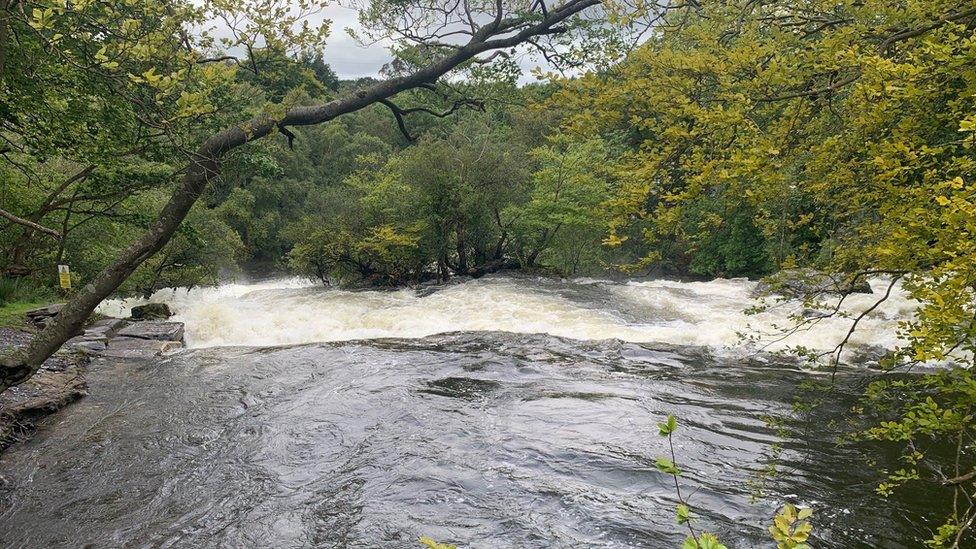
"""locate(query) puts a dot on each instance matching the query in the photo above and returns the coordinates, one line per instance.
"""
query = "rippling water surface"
(496, 438)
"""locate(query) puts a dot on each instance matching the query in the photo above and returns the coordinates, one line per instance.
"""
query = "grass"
(12, 315)
(19, 295)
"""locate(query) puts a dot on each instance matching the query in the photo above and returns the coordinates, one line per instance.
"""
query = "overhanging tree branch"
(883, 50)
(29, 224)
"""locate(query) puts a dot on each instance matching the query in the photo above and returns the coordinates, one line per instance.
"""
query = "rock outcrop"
(59, 382)
(44, 315)
(802, 283)
(151, 311)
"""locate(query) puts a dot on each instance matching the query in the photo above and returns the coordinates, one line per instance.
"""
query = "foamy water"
(291, 311)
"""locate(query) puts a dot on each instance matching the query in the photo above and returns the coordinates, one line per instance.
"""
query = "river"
(503, 412)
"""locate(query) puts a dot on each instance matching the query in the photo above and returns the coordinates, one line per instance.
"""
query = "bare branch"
(29, 224)
(398, 114)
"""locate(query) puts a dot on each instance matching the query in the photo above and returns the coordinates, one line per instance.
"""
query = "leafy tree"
(846, 132)
(160, 66)
(563, 215)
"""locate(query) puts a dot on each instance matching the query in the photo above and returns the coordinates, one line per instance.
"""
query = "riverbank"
(61, 379)
(59, 382)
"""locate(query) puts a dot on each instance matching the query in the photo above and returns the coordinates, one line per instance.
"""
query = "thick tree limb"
(29, 224)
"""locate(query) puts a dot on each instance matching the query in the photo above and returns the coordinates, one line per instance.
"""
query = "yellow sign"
(64, 277)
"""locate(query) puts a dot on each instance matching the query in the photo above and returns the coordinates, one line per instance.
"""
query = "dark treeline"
(491, 186)
(494, 185)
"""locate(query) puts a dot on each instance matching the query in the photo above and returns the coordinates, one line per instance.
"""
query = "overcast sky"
(350, 60)
(347, 58)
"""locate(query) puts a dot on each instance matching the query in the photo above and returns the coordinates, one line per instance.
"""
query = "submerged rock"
(801, 283)
(132, 347)
(151, 311)
(811, 314)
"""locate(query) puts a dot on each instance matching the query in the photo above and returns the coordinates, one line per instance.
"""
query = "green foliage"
(695, 539)
(562, 221)
(23, 290)
(790, 528)
(19, 295)
(668, 426)
(833, 136)
(101, 104)
(484, 193)
(703, 541)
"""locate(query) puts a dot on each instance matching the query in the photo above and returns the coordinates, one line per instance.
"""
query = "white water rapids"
(711, 314)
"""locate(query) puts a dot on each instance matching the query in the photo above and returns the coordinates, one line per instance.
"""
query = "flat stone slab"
(87, 345)
(106, 327)
(135, 347)
(162, 331)
(139, 344)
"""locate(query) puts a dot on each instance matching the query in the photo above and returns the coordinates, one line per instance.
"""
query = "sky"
(347, 58)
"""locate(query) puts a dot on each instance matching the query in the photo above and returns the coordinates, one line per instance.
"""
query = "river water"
(498, 413)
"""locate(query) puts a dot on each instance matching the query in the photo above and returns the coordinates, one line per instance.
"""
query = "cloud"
(347, 58)
(350, 60)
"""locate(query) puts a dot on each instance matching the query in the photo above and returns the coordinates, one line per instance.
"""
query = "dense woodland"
(731, 139)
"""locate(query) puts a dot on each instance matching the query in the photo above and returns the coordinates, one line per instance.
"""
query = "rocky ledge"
(119, 338)
(808, 283)
(61, 380)
(140, 336)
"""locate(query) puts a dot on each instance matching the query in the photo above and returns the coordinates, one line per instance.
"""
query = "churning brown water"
(478, 438)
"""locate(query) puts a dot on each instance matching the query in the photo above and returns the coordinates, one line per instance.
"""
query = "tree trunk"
(462, 252)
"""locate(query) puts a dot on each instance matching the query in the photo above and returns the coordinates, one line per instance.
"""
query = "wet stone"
(106, 327)
(163, 331)
(151, 311)
(89, 345)
(150, 346)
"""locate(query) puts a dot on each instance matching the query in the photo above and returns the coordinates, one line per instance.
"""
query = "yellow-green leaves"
(665, 465)
(682, 514)
(42, 18)
(790, 528)
(669, 426)
(703, 541)
(431, 544)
